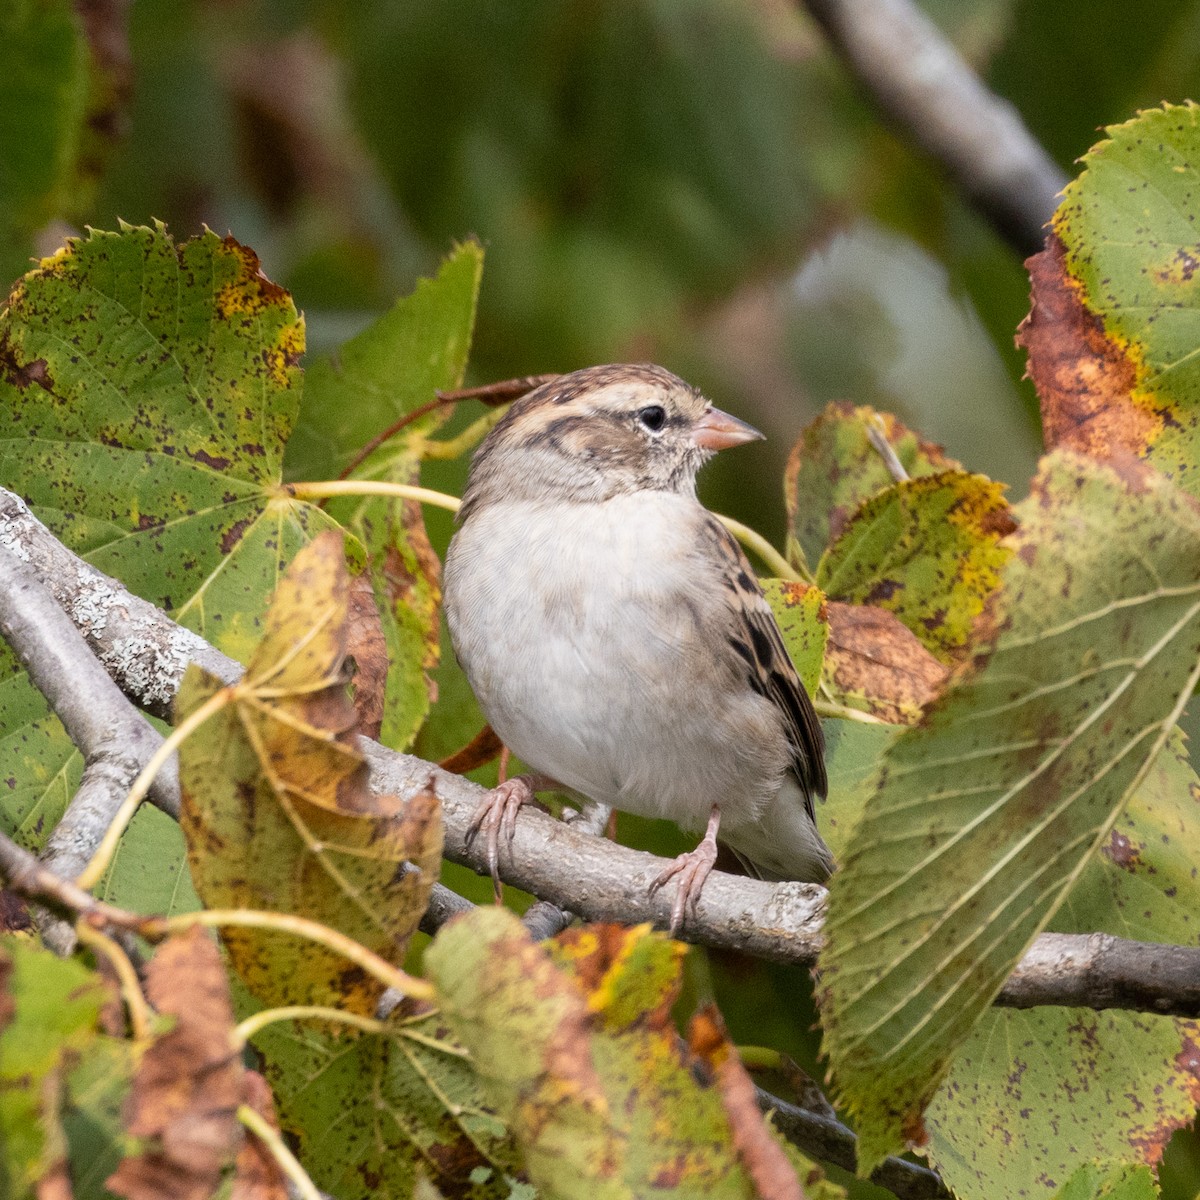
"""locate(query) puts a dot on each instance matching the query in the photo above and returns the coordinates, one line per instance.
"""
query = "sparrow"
(617, 638)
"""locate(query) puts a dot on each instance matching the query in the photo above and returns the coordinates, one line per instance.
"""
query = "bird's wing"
(756, 638)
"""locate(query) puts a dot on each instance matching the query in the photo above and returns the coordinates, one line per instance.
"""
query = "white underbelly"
(587, 656)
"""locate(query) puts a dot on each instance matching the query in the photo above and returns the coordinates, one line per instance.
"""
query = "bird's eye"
(653, 417)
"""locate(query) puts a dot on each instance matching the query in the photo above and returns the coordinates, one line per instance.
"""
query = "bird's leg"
(693, 869)
(497, 814)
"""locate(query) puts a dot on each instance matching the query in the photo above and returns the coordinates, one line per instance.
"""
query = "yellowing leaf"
(576, 1048)
(927, 549)
(1115, 319)
(986, 814)
(804, 622)
(834, 469)
(278, 813)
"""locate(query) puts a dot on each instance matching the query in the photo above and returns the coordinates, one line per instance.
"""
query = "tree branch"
(824, 1137)
(924, 86)
(114, 738)
(590, 876)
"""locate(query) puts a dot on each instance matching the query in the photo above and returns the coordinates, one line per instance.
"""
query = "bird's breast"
(582, 631)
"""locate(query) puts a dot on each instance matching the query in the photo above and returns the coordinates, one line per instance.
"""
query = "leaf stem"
(94, 871)
(827, 708)
(140, 1018)
(370, 487)
(243, 1032)
(271, 1139)
(156, 928)
(460, 443)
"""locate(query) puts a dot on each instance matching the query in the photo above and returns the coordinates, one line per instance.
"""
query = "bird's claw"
(693, 869)
(497, 815)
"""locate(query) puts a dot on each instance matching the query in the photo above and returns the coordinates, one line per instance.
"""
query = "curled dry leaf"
(878, 665)
(190, 1080)
(760, 1153)
(1111, 335)
(277, 809)
(366, 644)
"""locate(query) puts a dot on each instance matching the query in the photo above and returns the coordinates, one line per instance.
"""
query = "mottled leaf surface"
(576, 1049)
(876, 665)
(371, 1114)
(834, 468)
(146, 392)
(804, 622)
(928, 550)
(389, 370)
(1115, 320)
(1015, 1079)
(989, 812)
(277, 808)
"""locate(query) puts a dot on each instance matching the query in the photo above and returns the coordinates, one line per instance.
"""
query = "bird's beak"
(717, 430)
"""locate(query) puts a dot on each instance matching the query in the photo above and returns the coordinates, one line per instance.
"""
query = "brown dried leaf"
(761, 1155)
(8, 1004)
(367, 646)
(190, 1080)
(878, 665)
(1086, 381)
(278, 811)
(56, 1183)
(14, 913)
(480, 750)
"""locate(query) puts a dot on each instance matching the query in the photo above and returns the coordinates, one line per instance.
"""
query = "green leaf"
(97, 1091)
(371, 1114)
(1006, 1083)
(149, 872)
(988, 813)
(800, 611)
(146, 392)
(927, 549)
(833, 469)
(1093, 1182)
(853, 753)
(391, 369)
(52, 1008)
(1116, 300)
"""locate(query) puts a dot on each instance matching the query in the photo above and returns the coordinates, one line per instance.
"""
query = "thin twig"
(826, 1138)
(878, 439)
(23, 874)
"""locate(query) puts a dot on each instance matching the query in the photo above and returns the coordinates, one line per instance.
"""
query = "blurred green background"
(694, 182)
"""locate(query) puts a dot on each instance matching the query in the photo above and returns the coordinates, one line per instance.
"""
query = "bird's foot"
(693, 869)
(497, 816)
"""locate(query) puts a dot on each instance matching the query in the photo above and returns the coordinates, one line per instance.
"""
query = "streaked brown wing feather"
(758, 641)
